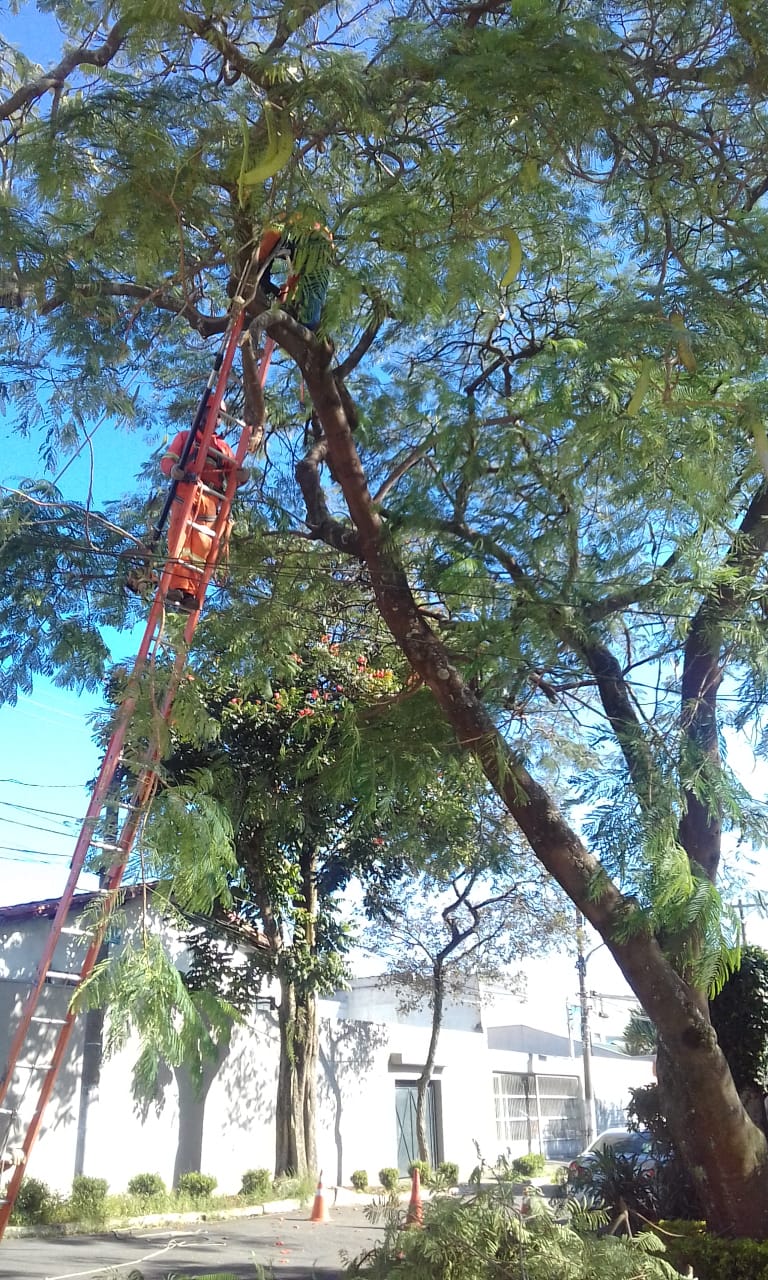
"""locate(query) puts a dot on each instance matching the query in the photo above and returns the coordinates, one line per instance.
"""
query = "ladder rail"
(147, 779)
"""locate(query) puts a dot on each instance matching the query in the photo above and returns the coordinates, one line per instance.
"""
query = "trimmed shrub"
(389, 1179)
(200, 1186)
(32, 1202)
(711, 1257)
(88, 1202)
(359, 1179)
(146, 1185)
(424, 1168)
(447, 1173)
(529, 1166)
(257, 1184)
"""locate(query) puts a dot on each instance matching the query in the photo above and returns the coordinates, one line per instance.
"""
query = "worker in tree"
(184, 583)
(309, 250)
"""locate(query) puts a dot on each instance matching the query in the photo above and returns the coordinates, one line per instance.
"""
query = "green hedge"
(711, 1257)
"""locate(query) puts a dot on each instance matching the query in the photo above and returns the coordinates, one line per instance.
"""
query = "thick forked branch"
(703, 667)
(320, 521)
(678, 1011)
(556, 843)
(623, 718)
(29, 93)
(206, 326)
(252, 69)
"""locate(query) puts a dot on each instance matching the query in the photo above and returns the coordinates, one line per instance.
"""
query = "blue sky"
(47, 756)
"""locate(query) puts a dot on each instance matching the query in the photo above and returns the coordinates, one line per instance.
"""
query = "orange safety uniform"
(204, 509)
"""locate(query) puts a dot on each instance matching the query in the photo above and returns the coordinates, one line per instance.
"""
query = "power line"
(28, 808)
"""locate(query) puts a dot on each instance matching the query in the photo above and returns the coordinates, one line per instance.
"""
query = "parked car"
(635, 1147)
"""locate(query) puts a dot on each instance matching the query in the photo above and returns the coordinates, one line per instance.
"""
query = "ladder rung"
(33, 1066)
(214, 493)
(202, 528)
(77, 933)
(58, 975)
(6, 1111)
(51, 1022)
(105, 844)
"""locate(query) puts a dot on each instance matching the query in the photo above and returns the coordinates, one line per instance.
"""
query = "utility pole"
(590, 1121)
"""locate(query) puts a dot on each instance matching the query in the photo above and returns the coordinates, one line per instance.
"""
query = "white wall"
(367, 1045)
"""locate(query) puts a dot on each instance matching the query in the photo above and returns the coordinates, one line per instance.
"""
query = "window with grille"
(538, 1113)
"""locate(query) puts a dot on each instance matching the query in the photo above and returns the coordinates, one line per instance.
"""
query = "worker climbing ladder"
(45, 1032)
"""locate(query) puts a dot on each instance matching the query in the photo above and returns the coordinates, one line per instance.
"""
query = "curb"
(345, 1198)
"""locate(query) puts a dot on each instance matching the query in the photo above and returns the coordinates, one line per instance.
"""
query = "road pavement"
(288, 1247)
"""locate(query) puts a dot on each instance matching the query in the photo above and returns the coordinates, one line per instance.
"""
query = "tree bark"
(296, 1100)
(422, 1088)
(296, 1111)
(725, 1152)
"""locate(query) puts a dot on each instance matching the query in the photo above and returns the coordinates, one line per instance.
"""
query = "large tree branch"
(703, 666)
(623, 718)
(361, 347)
(321, 523)
(206, 326)
(83, 56)
(678, 1011)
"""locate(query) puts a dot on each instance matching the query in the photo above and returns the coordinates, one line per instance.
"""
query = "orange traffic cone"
(319, 1212)
(415, 1214)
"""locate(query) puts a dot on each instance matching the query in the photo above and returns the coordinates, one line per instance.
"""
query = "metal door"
(405, 1110)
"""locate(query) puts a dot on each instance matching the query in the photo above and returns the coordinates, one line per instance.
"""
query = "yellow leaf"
(529, 173)
(761, 445)
(515, 257)
(640, 391)
(684, 349)
(275, 156)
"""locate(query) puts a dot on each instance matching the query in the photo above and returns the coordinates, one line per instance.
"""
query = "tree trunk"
(422, 1089)
(725, 1152)
(296, 1151)
(296, 1113)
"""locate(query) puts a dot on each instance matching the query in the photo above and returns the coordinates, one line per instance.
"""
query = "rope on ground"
(109, 1267)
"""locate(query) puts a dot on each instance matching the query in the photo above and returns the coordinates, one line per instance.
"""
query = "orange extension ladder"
(38, 1032)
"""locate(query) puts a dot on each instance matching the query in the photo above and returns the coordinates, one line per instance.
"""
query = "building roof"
(227, 922)
(523, 1039)
(47, 907)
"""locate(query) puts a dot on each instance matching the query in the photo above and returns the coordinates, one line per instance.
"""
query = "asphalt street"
(288, 1247)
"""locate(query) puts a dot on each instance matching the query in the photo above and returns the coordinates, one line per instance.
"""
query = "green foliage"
(140, 986)
(711, 1257)
(88, 1202)
(739, 1015)
(146, 1185)
(447, 1173)
(34, 1202)
(359, 1180)
(531, 1165)
(389, 1179)
(424, 1168)
(585, 532)
(483, 1236)
(200, 1186)
(639, 1034)
(256, 1184)
(616, 1181)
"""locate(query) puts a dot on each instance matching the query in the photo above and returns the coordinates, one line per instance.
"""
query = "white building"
(511, 1088)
